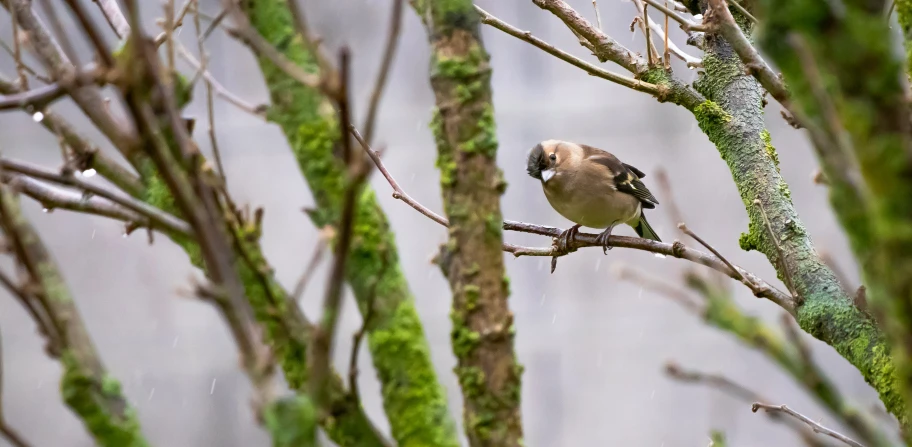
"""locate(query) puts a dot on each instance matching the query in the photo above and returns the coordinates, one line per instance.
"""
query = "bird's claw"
(564, 241)
(602, 239)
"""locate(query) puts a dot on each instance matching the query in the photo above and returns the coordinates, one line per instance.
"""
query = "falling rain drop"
(88, 172)
(125, 235)
(45, 210)
(541, 263)
(640, 293)
(554, 318)
(174, 343)
(93, 234)
(38, 117)
(660, 256)
(598, 263)
(212, 388)
(653, 394)
(542, 302)
(151, 393)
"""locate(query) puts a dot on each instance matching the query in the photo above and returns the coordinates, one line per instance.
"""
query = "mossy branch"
(861, 132)
(463, 126)
(414, 400)
(87, 388)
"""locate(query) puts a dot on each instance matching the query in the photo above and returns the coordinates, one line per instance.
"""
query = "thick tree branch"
(472, 184)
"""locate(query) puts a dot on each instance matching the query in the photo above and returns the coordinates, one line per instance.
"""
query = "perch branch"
(810, 422)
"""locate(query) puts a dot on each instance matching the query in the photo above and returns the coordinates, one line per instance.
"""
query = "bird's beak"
(546, 175)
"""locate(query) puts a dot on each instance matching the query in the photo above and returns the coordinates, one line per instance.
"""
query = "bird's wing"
(626, 177)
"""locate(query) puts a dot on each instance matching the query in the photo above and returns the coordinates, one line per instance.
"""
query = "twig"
(811, 423)
(362, 331)
(177, 22)
(670, 204)
(392, 40)
(17, 54)
(598, 17)
(650, 48)
(737, 5)
(686, 25)
(104, 55)
(593, 70)
(714, 380)
(308, 272)
(666, 56)
(218, 88)
(676, 249)
(115, 18)
(324, 333)
(8, 433)
(154, 215)
(40, 97)
(780, 253)
(55, 198)
(603, 46)
(675, 293)
(210, 108)
(739, 277)
(691, 61)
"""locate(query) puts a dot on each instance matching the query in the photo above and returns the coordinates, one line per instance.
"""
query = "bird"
(592, 188)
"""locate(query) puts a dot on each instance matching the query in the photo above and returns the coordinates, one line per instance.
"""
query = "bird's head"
(544, 159)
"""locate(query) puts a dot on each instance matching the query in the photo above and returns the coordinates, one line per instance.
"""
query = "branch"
(604, 47)
(111, 11)
(581, 240)
(691, 61)
(686, 25)
(40, 97)
(814, 425)
(724, 23)
(392, 41)
(258, 111)
(635, 84)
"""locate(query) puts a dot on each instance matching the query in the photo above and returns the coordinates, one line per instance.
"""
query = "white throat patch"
(546, 175)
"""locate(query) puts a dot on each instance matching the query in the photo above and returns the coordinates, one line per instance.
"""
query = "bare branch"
(111, 11)
(604, 47)
(676, 249)
(593, 70)
(781, 255)
(691, 61)
(358, 336)
(217, 87)
(686, 25)
(714, 380)
(151, 215)
(392, 41)
(810, 422)
(40, 97)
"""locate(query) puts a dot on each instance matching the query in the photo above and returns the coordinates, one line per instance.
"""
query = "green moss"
(747, 242)
(484, 140)
(292, 422)
(464, 339)
(494, 226)
(100, 405)
(711, 118)
(769, 148)
(471, 293)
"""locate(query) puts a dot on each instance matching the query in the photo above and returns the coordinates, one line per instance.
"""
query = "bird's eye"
(552, 157)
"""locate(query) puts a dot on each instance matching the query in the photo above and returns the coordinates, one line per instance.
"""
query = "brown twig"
(714, 380)
(308, 272)
(218, 88)
(598, 16)
(357, 174)
(670, 46)
(686, 25)
(103, 53)
(810, 422)
(392, 40)
(635, 84)
(683, 227)
(675, 293)
(38, 98)
(677, 249)
(210, 108)
(17, 54)
(737, 5)
(650, 48)
(115, 18)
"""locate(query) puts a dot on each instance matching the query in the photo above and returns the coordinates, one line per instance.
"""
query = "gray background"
(593, 346)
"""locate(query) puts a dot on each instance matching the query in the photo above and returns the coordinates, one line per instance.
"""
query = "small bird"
(592, 188)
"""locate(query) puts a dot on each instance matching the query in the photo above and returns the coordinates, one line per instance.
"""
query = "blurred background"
(594, 347)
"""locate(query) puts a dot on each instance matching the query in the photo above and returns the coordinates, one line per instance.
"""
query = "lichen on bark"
(472, 184)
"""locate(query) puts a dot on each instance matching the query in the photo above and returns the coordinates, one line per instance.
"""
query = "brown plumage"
(592, 188)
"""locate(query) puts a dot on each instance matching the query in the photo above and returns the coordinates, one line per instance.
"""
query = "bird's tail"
(645, 231)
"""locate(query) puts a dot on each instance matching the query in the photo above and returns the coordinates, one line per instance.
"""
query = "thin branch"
(151, 214)
(598, 16)
(593, 70)
(392, 40)
(219, 89)
(210, 107)
(40, 97)
(17, 54)
(315, 258)
(675, 293)
(358, 336)
(737, 5)
(88, 25)
(357, 174)
(683, 228)
(55, 198)
(650, 48)
(686, 25)
(111, 11)
(714, 380)
(810, 422)
(677, 249)
(691, 61)
(604, 47)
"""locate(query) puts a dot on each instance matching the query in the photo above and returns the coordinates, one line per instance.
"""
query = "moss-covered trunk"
(849, 83)
(463, 126)
(732, 118)
(415, 402)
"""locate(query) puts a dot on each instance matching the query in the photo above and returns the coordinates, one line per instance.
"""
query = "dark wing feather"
(626, 177)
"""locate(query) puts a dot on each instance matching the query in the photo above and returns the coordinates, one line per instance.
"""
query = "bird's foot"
(564, 241)
(602, 239)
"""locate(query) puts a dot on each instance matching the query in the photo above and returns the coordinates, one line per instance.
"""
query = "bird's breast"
(592, 203)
